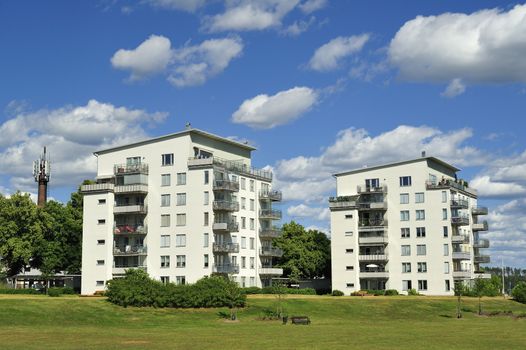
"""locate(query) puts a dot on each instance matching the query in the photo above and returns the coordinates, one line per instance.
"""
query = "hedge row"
(18, 291)
(274, 290)
(138, 289)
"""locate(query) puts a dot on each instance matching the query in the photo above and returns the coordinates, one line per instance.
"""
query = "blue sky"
(318, 86)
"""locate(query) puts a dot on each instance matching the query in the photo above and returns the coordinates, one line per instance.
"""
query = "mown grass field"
(40, 322)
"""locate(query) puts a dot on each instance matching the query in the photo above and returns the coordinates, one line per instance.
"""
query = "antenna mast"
(41, 173)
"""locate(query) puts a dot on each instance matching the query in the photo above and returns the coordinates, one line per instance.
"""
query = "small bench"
(300, 320)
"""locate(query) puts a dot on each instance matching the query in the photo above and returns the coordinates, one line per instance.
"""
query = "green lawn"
(40, 322)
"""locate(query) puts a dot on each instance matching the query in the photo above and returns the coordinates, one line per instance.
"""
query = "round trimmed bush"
(337, 293)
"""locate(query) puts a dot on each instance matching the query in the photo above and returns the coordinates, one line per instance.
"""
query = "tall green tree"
(306, 253)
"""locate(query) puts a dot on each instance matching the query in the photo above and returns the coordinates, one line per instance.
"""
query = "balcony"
(226, 185)
(481, 243)
(371, 189)
(459, 204)
(373, 239)
(270, 214)
(270, 271)
(97, 188)
(482, 259)
(271, 252)
(226, 268)
(130, 209)
(226, 205)
(121, 269)
(370, 273)
(343, 202)
(481, 226)
(373, 257)
(482, 275)
(274, 196)
(461, 255)
(226, 248)
(226, 226)
(460, 220)
(129, 250)
(138, 188)
(372, 206)
(271, 232)
(479, 211)
(365, 225)
(122, 169)
(130, 229)
(462, 274)
(237, 166)
(460, 239)
(459, 185)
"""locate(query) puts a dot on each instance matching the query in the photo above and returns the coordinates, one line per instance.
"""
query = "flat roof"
(388, 165)
(177, 134)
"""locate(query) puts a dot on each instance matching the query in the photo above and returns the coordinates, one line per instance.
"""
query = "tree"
(479, 288)
(519, 292)
(306, 253)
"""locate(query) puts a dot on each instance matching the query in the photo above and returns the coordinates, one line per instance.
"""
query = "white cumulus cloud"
(310, 6)
(265, 112)
(456, 87)
(303, 211)
(330, 55)
(184, 5)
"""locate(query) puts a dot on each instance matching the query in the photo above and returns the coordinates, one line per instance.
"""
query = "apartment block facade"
(180, 206)
(406, 225)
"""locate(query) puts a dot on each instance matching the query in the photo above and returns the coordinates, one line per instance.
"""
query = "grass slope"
(38, 322)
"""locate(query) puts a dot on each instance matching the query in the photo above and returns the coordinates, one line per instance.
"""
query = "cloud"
(310, 6)
(246, 15)
(184, 5)
(303, 211)
(486, 46)
(489, 188)
(265, 112)
(150, 57)
(298, 27)
(330, 55)
(189, 65)
(71, 134)
(456, 87)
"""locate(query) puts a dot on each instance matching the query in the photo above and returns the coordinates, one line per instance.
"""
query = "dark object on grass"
(300, 320)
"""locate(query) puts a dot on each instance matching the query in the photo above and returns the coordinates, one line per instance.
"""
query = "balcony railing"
(460, 220)
(225, 248)
(226, 268)
(372, 206)
(481, 226)
(459, 203)
(482, 259)
(372, 239)
(270, 214)
(137, 188)
(121, 269)
(270, 271)
(104, 187)
(374, 273)
(232, 165)
(270, 195)
(461, 255)
(231, 226)
(373, 257)
(121, 169)
(367, 223)
(481, 243)
(271, 252)
(458, 185)
(479, 211)
(371, 189)
(462, 274)
(460, 239)
(226, 185)
(130, 229)
(226, 205)
(343, 202)
(271, 232)
(130, 209)
(129, 250)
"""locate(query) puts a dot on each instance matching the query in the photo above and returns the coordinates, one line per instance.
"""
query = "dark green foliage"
(337, 293)
(390, 292)
(68, 290)
(412, 291)
(481, 288)
(251, 290)
(272, 290)
(519, 292)
(18, 291)
(138, 289)
(54, 292)
(512, 276)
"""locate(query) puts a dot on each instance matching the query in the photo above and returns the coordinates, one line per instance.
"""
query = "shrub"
(68, 290)
(19, 291)
(337, 293)
(391, 292)
(359, 293)
(251, 290)
(376, 292)
(519, 292)
(412, 291)
(54, 292)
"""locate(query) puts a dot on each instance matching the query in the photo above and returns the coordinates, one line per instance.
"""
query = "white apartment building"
(180, 206)
(406, 225)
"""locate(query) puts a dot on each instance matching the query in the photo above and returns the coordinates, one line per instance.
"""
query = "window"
(165, 241)
(100, 262)
(404, 198)
(165, 279)
(165, 220)
(448, 286)
(372, 183)
(181, 178)
(181, 199)
(252, 243)
(444, 214)
(446, 267)
(348, 216)
(419, 197)
(422, 267)
(420, 249)
(181, 219)
(206, 261)
(406, 285)
(180, 279)
(102, 221)
(206, 199)
(349, 268)
(100, 283)
(406, 250)
(207, 177)
(243, 183)
(180, 240)
(444, 196)
(181, 260)
(167, 159)
(206, 240)
(349, 250)
(102, 201)
(252, 205)
(350, 285)
(206, 219)
(166, 179)
(252, 262)
(433, 179)
(243, 242)
(406, 267)
(165, 261)
(405, 232)
(243, 222)
(243, 262)
(445, 231)
(243, 281)
(405, 181)
(243, 203)
(348, 233)
(446, 249)
(251, 185)
(422, 284)
(420, 214)
(165, 200)
(404, 215)
(252, 281)
(252, 224)
(101, 241)
(421, 232)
